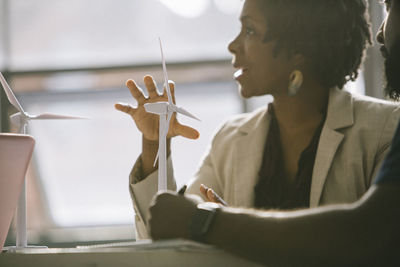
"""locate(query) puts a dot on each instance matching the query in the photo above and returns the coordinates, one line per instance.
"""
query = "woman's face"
(259, 71)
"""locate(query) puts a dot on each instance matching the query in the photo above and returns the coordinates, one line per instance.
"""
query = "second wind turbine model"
(165, 110)
(21, 120)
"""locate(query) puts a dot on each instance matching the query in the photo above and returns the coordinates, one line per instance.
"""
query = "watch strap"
(202, 220)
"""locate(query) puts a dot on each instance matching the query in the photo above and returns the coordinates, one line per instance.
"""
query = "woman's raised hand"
(148, 123)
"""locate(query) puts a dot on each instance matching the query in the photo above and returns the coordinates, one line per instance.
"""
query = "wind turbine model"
(165, 110)
(21, 120)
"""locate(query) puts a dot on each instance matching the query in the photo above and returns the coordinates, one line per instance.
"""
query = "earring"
(295, 82)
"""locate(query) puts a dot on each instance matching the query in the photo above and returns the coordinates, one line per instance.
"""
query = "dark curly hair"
(331, 34)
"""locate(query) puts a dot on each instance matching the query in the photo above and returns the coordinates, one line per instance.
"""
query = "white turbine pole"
(162, 158)
(165, 112)
(21, 238)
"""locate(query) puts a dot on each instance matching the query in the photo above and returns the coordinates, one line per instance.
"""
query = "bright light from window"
(229, 7)
(184, 8)
(92, 188)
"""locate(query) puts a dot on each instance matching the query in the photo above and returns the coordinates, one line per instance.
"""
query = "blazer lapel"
(339, 115)
(248, 152)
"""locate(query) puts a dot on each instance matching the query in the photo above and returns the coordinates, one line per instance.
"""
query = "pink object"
(15, 155)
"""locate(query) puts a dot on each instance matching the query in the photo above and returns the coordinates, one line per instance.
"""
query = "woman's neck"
(302, 111)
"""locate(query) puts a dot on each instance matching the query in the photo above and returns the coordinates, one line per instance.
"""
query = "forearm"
(143, 191)
(268, 239)
(336, 235)
(149, 153)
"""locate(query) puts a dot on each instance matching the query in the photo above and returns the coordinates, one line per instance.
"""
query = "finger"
(210, 195)
(203, 190)
(126, 108)
(186, 131)
(136, 92)
(215, 197)
(151, 86)
(172, 89)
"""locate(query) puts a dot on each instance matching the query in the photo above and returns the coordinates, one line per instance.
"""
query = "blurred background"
(73, 57)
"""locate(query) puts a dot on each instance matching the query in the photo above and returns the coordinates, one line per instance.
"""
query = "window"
(47, 34)
(74, 58)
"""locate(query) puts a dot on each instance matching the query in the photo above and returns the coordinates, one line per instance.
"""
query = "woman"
(315, 144)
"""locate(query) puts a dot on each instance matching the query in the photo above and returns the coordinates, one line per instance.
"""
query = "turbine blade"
(10, 95)
(159, 108)
(166, 84)
(158, 152)
(186, 113)
(160, 143)
(50, 116)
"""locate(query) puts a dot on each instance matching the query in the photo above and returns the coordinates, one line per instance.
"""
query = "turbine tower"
(165, 110)
(21, 120)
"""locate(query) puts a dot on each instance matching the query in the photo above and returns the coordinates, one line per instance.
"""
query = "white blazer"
(354, 141)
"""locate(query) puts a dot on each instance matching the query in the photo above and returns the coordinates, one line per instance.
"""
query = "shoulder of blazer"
(345, 109)
(376, 113)
(246, 122)
(373, 105)
(241, 125)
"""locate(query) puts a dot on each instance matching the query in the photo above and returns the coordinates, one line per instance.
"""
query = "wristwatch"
(202, 220)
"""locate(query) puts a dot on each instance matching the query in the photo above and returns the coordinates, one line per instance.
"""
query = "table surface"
(98, 256)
